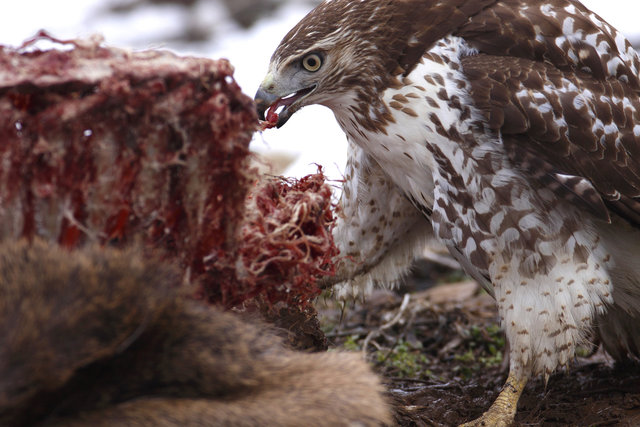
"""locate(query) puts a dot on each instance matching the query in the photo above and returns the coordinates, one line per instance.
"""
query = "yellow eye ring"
(312, 62)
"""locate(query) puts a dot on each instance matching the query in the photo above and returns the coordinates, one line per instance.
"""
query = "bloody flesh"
(102, 145)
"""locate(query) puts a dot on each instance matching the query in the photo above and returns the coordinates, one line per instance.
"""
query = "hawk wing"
(564, 95)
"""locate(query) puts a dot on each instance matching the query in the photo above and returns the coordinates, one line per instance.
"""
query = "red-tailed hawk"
(513, 126)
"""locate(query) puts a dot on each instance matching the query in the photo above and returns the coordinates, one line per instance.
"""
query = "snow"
(312, 134)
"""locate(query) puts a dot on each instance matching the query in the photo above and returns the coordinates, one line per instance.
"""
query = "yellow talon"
(503, 410)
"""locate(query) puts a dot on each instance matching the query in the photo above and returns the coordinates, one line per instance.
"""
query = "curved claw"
(503, 410)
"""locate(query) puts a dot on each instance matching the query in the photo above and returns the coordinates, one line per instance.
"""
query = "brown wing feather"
(561, 86)
(559, 122)
(561, 32)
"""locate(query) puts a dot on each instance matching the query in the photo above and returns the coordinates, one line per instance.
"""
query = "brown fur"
(99, 337)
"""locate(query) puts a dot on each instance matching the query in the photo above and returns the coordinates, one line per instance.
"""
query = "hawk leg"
(503, 410)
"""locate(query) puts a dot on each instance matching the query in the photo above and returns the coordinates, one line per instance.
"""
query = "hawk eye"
(312, 62)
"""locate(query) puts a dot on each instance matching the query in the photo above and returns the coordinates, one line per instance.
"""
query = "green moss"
(483, 350)
(404, 360)
(351, 343)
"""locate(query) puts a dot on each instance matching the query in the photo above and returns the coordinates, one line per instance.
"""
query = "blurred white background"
(244, 31)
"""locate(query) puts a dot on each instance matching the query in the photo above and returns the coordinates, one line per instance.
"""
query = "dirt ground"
(440, 351)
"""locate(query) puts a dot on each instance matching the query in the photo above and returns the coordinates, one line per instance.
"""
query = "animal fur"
(101, 337)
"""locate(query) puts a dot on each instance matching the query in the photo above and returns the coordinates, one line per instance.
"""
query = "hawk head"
(322, 60)
(308, 77)
(344, 53)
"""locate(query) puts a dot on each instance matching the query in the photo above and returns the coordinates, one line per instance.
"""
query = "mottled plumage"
(509, 130)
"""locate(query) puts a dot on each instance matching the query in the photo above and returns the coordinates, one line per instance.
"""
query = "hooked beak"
(268, 103)
(264, 100)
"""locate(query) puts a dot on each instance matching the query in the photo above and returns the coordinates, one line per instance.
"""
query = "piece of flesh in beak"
(275, 110)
